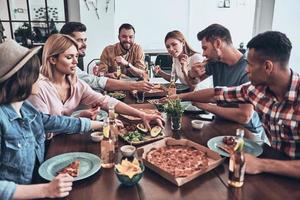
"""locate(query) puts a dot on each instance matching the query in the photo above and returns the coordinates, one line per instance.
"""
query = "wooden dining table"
(209, 186)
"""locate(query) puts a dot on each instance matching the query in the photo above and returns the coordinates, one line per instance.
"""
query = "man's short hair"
(71, 27)
(272, 45)
(214, 31)
(127, 27)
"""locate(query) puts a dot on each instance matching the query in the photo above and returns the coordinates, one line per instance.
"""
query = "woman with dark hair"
(23, 128)
(183, 58)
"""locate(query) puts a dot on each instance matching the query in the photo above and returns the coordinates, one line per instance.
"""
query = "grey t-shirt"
(234, 75)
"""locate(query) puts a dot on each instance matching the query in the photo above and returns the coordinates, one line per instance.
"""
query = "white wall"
(153, 19)
(287, 19)
(238, 18)
(100, 32)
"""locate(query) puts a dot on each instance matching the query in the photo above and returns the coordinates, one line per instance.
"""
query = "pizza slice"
(72, 169)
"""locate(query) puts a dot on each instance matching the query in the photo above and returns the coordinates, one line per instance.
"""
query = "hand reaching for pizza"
(60, 186)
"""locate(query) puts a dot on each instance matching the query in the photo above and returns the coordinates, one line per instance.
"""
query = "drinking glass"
(140, 96)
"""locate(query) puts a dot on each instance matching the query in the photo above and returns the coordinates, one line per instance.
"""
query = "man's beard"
(125, 48)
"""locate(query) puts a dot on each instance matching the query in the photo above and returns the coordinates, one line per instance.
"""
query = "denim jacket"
(22, 141)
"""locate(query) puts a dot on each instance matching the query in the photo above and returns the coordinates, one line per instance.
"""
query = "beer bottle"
(172, 86)
(107, 147)
(237, 163)
(113, 126)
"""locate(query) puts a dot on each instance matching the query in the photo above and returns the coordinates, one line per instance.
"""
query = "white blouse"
(176, 66)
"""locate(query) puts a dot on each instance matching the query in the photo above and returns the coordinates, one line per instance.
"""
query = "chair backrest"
(164, 61)
(92, 64)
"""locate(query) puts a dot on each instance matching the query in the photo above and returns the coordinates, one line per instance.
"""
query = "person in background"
(23, 128)
(126, 53)
(183, 58)
(227, 67)
(274, 91)
(62, 92)
(77, 30)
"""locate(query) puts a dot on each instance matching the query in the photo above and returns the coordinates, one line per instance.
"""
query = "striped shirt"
(280, 118)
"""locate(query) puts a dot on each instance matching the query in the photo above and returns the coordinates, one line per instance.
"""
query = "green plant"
(173, 108)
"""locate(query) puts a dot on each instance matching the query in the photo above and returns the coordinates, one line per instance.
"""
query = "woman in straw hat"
(61, 92)
(23, 128)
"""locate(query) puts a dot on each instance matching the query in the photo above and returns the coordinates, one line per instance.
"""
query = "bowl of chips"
(128, 172)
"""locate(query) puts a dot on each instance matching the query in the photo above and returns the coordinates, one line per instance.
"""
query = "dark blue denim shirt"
(22, 142)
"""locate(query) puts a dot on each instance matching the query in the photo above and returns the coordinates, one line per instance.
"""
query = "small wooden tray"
(146, 139)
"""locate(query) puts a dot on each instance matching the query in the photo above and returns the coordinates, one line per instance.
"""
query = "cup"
(140, 96)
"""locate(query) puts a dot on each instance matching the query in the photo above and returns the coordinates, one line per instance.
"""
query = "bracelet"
(129, 65)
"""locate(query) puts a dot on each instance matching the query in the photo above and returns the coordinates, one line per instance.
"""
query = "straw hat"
(12, 58)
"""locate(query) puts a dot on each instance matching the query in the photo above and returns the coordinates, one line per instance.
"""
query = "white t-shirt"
(176, 67)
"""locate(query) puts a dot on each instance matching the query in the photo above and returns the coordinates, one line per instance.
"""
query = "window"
(31, 21)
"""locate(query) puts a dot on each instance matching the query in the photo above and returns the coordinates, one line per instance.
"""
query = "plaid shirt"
(280, 119)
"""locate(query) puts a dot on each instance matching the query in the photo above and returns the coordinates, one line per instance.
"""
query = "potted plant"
(174, 112)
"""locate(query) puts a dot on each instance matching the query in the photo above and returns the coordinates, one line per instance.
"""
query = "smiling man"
(274, 92)
(126, 53)
(77, 30)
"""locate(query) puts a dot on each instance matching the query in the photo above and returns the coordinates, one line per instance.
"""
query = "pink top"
(49, 102)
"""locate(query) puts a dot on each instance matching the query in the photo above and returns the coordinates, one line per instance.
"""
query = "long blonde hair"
(55, 45)
(187, 49)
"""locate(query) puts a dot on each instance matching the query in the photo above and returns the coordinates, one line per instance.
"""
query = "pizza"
(178, 160)
(72, 169)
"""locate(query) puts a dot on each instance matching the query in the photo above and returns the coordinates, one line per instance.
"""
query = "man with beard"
(77, 30)
(227, 66)
(274, 92)
(126, 54)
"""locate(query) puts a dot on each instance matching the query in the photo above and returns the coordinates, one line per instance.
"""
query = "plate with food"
(80, 165)
(101, 115)
(117, 95)
(139, 134)
(224, 145)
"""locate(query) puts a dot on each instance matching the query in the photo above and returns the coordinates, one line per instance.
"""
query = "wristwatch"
(129, 65)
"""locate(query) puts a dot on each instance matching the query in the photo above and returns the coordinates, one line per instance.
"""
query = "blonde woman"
(61, 91)
(183, 58)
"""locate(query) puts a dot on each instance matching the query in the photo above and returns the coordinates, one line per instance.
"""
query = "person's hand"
(121, 61)
(119, 123)
(165, 99)
(142, 86)
(60, 186)
(183, 59)
(156, 69)
(253, 165)
(90, 113)
(198, 69)
(112, 75)
(147, 118)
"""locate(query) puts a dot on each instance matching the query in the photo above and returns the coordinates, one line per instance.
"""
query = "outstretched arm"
(259, 165)
(115, 85)
(242, 114)
(205, 96)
